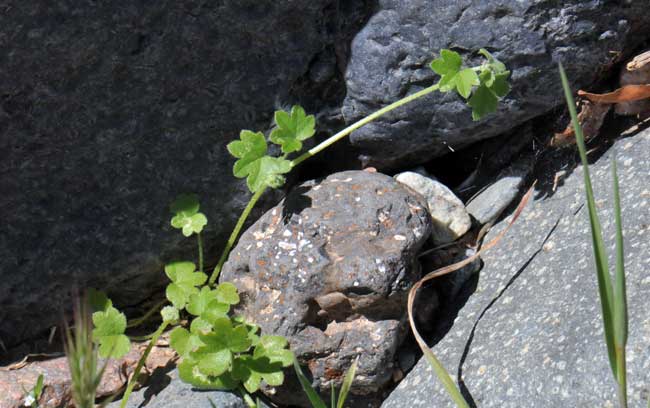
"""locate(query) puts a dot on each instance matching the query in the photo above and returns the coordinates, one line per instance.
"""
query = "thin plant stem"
(309, 153)
(140, 320)
(235, 234)
(622, 377)
(143, 359)
(247, 398)
(199, 239)
(356, 125)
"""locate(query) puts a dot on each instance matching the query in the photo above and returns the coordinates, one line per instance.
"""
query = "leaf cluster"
(482, 86)
(222, 352)
(260, 169)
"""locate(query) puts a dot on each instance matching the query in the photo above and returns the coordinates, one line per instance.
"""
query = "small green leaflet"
(109, 333)
(169, 314)
(207, 305)
(227, 293)
(482, 89)
(292, 129)
(184, 282)
(190, 373)
(186, 214)
(259, 169)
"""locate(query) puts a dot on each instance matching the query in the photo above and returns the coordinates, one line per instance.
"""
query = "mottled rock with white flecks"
(330, 268)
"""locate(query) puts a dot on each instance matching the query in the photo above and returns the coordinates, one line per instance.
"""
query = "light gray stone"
(450, 219)
(487, 205)
(168, 391)
(531, 335)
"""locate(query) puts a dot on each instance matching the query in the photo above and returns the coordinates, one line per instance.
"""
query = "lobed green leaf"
(109, 333)
(292, 129)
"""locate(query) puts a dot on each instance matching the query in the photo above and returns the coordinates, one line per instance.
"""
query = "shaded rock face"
(330, 268)
(531, 334)
(390, 58)
(108, 111)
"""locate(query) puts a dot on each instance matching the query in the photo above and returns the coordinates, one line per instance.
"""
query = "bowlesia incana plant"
(218, 350)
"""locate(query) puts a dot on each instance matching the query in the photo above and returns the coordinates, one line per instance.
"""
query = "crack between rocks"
(463, 387)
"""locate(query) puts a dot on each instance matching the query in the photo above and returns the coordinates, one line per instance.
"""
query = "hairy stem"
(140, 320)
(143, 359)
(309, 153)
(235, 234)
(199, 239)
(356, 125)
(247, 398)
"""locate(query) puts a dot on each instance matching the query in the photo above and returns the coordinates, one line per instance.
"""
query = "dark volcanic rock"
(108, 110)
(531, 335)
(390, 59)
(330, 268)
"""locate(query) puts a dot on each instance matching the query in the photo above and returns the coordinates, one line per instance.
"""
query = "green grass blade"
(620, 295)
(445, 378)
(315, 400)
(347, 383)
(602, 270)
(332, 395)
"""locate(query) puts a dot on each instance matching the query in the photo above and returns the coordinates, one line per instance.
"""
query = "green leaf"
(315, 400)
(347, 383)
(200, 326)
(215, 363)
(186, 204)
(465, 80)
(252, 371)
(483, 101)
(169, 314)
(189, 224)
(448, 64)
(273, 347)
(260, 170)
(266, 172)
(189, 372)
(109, 333)
(198, 302)
(227, 293)
(500, 86)
(495, 65)
(38, 388)
(292, 129)
(184, 281)
(183, 342)
(98, 301)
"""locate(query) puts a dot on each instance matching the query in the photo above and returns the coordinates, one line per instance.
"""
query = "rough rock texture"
(108, 110)
(390, 58)
(487, 205)
(168, 391)
(449, 217)
(532, 334)
(330, 268)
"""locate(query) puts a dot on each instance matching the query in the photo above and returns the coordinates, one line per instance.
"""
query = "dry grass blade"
(438, 368)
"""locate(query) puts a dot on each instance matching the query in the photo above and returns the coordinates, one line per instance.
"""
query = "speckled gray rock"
(108, 110)
(487, 205)
(531, 335)
(390, 58)
(449, 218)
(168, 391)
(330, 268)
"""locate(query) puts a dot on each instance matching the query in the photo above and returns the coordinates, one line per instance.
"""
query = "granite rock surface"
(531, 334)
